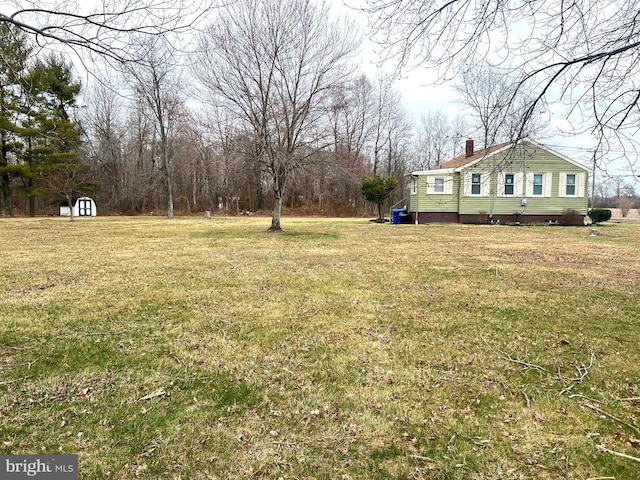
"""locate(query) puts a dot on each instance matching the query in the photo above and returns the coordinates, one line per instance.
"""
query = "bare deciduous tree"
(625, 204)
(160, 88)
(498, 108)
(488, 94)
(350, 111)
(105, 30)
(582, 53)
(270, 63)
(105, 136)
(436, 139)
(387, 102)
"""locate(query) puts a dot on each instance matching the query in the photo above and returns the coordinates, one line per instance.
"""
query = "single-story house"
(84, 207)
(519, 181)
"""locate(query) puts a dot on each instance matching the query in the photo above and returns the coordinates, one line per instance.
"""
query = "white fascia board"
(435, 172)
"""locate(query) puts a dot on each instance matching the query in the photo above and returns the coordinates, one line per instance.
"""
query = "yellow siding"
(523, 161)
(423, 201)
(526, 162)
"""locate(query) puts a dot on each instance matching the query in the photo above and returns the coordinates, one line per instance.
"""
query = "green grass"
(197, 348)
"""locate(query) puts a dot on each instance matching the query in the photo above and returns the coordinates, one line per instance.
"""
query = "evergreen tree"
(51, 137)
(14, 54)
(377, 190)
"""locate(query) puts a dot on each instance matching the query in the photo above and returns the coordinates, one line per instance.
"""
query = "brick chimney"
(469, 149)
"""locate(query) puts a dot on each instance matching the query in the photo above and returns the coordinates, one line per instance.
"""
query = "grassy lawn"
(341, 349)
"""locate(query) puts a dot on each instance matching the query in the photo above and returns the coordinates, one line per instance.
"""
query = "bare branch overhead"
(582, 54)
(104, 30)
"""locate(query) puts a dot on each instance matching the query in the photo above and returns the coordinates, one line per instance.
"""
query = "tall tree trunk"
(167, 170)
(169, 199)
(259, 192)
(170, 203)
(70, 201)
(6, 179)
(277, 214)
(32, 199)
(6, 195)
(194, 191)
(279, 178)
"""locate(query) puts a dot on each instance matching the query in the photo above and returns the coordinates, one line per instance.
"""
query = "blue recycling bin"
(397, 215)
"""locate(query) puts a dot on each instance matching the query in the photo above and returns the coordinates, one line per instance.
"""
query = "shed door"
(84, 207)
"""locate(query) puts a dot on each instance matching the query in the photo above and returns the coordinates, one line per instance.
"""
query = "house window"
(538, 184)
(438, 185)
(571, 185)
(414, 186)
(509, 184)
(476, 184)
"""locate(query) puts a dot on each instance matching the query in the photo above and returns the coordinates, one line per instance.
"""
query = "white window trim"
(562, 184)
(414, 185)
(546, 184)
(484, 184)
(517, 184)
(447, 184)
(439, 185)
(511, 184)
(535, 185)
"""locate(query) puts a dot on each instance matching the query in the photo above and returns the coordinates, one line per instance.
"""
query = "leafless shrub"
(571, 217)
(625, 204)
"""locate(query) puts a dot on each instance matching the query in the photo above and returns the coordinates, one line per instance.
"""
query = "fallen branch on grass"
(613, 417)
(628, 399)
(420, 457)
(280, 445)
(89, 334)
(529, 365)
(583, 371)
(602, 448)
(156, 394)
(578, 395)
(30, 364)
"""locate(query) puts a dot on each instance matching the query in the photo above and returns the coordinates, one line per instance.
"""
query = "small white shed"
(84, 207)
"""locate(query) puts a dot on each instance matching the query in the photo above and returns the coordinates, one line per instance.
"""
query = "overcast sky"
(421, 95)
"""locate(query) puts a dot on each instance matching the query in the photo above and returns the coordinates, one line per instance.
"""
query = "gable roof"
(458, 163)
(462, 160)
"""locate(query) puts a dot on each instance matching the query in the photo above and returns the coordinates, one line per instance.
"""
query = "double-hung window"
(538, 184)
(438, 185)
(509, 184)
(570, 185)
(476, 184)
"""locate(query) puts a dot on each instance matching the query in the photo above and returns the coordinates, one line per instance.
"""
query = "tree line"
(265, 109)
(272, 112)
(269, 112)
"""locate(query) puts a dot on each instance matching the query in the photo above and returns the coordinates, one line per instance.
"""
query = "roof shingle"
(462, 160)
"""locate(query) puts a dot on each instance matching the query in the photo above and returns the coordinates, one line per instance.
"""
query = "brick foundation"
(452, 217)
